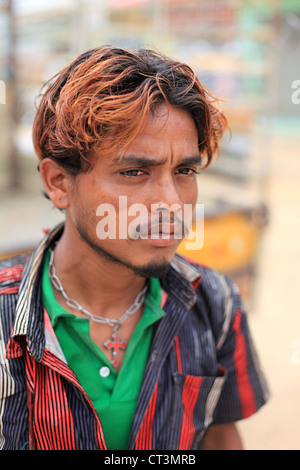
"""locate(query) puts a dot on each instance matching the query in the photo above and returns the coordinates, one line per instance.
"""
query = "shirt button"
(104, 371)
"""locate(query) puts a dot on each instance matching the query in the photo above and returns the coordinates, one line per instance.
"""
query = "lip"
(167, 230)
(163, 239)
(162, 242)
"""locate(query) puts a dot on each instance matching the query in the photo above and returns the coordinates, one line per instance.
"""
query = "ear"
(57, 183)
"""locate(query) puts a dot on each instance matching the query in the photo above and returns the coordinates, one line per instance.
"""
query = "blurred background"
(248, 53)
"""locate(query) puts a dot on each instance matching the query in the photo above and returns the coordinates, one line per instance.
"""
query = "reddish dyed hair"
(103, 98)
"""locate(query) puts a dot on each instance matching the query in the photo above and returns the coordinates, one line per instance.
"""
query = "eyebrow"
(151, 161)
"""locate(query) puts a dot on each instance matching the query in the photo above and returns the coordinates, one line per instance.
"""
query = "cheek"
(92, 193)
(83, 207)
(189, 199)
(189, 193)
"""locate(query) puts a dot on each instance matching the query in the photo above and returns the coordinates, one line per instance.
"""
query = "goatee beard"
(152, 269)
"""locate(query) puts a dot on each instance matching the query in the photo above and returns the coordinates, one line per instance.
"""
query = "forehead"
(169, 131)
(168, 119)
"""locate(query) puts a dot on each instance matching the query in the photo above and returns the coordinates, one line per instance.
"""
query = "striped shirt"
(202, 367)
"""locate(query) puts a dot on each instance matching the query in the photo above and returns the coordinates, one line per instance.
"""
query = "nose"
(165, 197)
(165, 194)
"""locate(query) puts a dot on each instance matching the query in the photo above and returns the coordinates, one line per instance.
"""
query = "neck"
(93, 280)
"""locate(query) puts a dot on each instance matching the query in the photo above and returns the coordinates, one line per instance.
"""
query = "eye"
(187, 171)
(132, 173)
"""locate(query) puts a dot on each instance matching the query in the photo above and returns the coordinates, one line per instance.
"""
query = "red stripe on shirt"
(190, 394)
(10, 290)
(178, 356)
(13, 274)
(62, 370)
(246, 394)
(144, 438)
(163, 299)
(14, 349)
(52, 417)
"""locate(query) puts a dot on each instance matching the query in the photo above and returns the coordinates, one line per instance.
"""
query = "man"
(109, 339)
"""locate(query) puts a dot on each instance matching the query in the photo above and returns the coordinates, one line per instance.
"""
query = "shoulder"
(11, 271)
(219, 296)
(214, 285)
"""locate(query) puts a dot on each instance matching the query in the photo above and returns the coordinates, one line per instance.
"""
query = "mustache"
(161, 223)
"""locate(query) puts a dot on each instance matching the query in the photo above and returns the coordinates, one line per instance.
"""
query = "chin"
(152, 269)
(157, 267)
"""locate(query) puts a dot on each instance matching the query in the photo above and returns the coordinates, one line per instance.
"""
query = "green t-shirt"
(113, 394)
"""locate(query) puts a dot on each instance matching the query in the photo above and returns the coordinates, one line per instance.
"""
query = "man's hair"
(103, 98)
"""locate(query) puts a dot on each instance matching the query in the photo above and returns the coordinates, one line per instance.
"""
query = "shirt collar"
(29, 319)
(179, 283)
(56, 311)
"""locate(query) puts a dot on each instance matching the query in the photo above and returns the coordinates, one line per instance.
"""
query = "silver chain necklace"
(115, 343)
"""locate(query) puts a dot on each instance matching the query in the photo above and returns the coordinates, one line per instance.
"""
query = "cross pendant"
(115, 344)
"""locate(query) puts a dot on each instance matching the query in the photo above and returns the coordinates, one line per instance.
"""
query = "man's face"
(117, 207)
